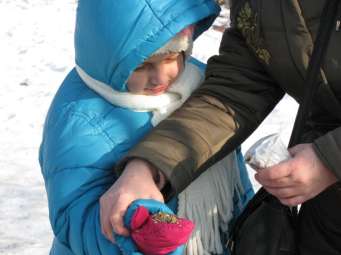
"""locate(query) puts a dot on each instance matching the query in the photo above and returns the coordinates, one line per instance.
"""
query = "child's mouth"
(157, 90)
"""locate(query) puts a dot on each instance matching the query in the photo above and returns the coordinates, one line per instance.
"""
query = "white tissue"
(266, 152)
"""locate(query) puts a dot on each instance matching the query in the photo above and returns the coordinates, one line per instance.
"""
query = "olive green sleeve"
(328, 149)
(234, 99)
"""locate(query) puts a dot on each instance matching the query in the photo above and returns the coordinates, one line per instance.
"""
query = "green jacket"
(262, 56)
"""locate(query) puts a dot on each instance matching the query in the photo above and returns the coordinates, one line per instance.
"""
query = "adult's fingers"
(284, 193)
(120, 208)
(106, 227)
(278, 171)
(117, 223)
(277, 183)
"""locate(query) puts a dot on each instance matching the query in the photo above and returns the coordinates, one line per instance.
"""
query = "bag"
(267, 227)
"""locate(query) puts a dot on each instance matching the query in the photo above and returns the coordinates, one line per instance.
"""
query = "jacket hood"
(113, 37)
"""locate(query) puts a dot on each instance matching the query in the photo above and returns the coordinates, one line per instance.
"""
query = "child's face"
(156, 74)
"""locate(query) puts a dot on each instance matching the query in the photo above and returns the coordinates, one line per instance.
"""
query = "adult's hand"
(298, 179)
(136, 182)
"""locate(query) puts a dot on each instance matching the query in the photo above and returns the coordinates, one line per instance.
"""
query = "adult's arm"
(236, 96)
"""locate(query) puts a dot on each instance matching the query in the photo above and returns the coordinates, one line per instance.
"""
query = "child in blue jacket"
(106, 105)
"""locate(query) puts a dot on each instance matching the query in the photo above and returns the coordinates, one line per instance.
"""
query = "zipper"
(338, 20)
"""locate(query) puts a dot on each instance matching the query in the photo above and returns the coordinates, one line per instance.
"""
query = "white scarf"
(208, 201)
(161, 105)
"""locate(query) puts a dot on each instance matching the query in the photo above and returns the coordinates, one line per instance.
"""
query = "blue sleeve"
(244, 176)
(242, 198)
(75, 159)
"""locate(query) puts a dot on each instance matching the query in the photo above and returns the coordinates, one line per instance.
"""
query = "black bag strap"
(327, 24)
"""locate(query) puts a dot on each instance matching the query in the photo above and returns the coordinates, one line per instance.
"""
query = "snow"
(36, 52)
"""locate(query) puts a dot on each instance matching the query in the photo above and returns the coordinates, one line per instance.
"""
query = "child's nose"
(158, 76)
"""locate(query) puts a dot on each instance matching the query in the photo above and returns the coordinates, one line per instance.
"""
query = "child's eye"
(172, 57)
(143, 67)
(140, 68)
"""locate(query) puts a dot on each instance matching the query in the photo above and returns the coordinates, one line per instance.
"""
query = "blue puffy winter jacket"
(85, 135)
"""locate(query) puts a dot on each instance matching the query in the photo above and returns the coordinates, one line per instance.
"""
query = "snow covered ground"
(36, 52)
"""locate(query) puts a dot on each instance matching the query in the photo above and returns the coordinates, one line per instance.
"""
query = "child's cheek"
(137, 82)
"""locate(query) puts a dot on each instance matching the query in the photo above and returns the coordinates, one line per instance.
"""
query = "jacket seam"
(88, 119)
(81, 115)
(152, 10)
(57, 171)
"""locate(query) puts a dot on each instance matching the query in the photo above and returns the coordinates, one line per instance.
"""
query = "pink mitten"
(160, 233)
